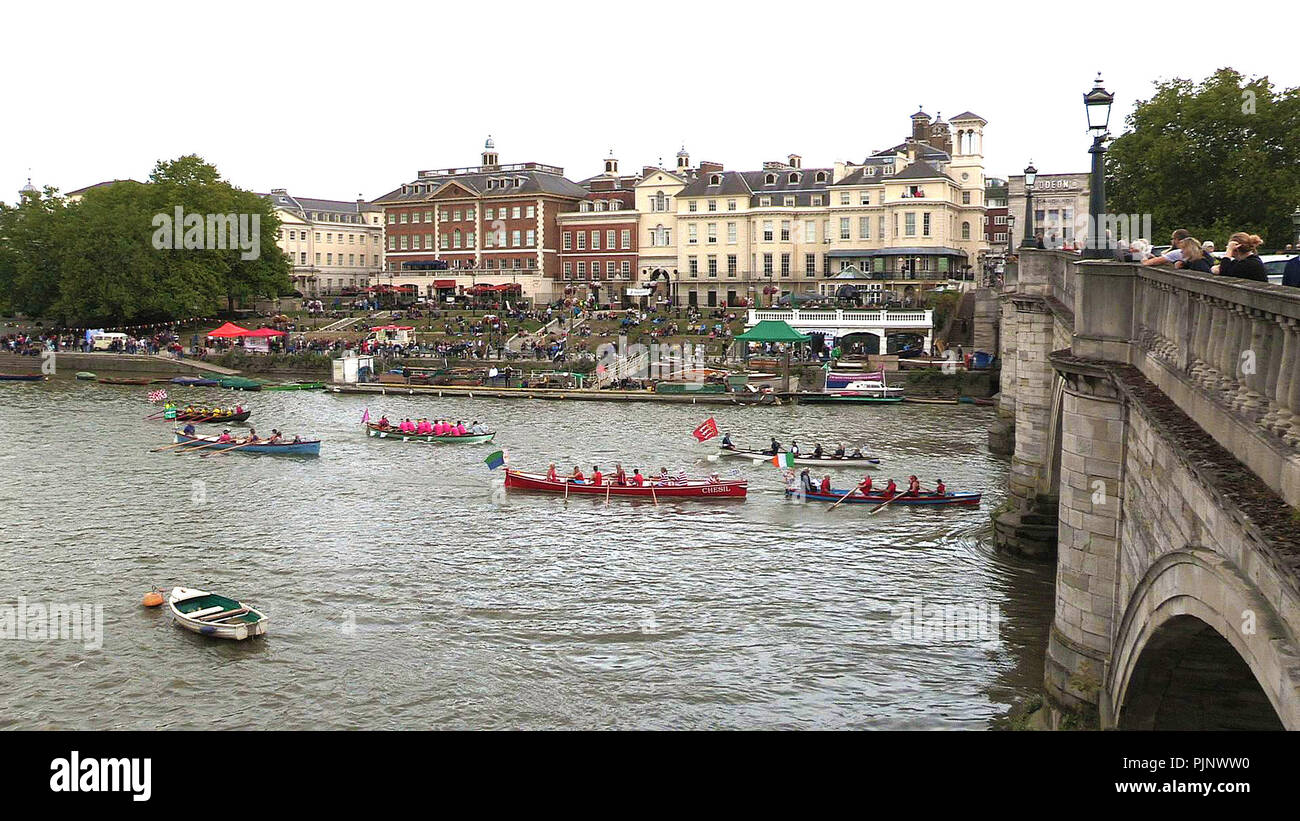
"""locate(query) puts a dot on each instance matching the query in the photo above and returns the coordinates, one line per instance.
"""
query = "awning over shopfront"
(898, 252)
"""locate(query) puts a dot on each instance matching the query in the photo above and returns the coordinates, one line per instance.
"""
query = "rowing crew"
(214, 413)
(774, 448)
(424, 427)
(620, 477)
(276, 438)
(864, 487)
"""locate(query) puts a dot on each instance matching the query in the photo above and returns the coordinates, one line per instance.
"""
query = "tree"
(31, 235)
(1215, 157)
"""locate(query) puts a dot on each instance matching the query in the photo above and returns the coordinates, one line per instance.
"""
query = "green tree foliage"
(1215, 157)
(96, 261)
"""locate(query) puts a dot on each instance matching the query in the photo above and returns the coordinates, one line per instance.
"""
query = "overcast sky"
(335, 99)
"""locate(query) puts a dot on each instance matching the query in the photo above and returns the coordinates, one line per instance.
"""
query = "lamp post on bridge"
(1031, 174)
(1295, 223)
(1097, 103)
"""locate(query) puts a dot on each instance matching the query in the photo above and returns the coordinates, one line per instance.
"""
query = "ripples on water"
(404, 593)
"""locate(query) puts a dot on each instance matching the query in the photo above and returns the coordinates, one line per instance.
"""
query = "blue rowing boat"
(306, 447)
(877, 498)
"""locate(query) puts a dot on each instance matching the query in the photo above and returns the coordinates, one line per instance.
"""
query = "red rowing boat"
(692, 488)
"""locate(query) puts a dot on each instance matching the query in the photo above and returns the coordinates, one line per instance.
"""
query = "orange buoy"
(152, 599)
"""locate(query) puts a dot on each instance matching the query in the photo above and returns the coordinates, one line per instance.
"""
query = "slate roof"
(533, 182)
(921, 170)
(305, 206)
(753, 184)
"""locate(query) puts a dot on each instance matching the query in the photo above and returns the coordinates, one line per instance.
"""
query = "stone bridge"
(1153, 417)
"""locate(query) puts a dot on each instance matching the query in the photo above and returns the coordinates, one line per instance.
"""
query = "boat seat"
(207, 611)
(227, 614)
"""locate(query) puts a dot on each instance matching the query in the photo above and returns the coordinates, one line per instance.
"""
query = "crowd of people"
(438, 427)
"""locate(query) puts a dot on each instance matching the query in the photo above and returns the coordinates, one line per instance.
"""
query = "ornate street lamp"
(1031, 174)
(1097, 103)
(1295, 222)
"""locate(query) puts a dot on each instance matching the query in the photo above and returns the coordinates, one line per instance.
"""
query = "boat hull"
(695, 489)
(189, 608)
(209, 444)
(220, 419)
(395, 435)
(807, 461)
(924, 500)
(299, 386)
(21, 377)
(851, 398)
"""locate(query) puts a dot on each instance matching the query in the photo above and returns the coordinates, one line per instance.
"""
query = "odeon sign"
(1047, 185)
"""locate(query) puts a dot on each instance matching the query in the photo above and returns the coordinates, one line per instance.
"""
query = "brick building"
(452, 228)
(598, 242)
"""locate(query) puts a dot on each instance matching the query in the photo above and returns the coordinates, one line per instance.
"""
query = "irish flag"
(783, 460)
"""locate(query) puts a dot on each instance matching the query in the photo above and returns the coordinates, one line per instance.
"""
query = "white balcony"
(838, 323)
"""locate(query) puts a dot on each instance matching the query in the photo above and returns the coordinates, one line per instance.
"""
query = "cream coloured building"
(333, 244)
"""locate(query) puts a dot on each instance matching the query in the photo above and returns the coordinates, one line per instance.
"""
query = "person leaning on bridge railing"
(1193, 257)
(1241, 260)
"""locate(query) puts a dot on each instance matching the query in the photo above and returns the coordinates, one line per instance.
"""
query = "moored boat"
(85, 376)
(123, 380)
(690, 489)
(393, 434)
(21, 377)
(846, 397)
(302, 447)
(825, 460)
(195, 381)
(217, 616)
(295, 386)
(239, 383)
(923, 499)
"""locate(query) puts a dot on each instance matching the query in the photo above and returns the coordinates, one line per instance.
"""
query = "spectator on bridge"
(1192, 257)
(1175, 252)
(1291, 273)
(1241, 260)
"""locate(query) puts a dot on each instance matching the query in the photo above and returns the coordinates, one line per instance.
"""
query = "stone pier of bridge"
(1153, 422)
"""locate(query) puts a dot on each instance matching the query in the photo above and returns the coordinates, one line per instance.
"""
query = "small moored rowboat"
(393, 434)
(123, 380)
(85, 376)
(690, 489)
(195, 381)
(825, 460)
(211, 615)
(304, 447)
(875, 498)
(21, 377)
(295, 386)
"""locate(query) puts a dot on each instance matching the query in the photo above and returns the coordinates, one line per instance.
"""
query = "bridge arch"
(1183, 660)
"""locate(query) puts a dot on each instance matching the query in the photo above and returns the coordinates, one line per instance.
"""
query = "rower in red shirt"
(826, 485)
(637, 479)
(577, 475)
(913, 486)
(596, 475)
(891, 489)
(865, 486)
(550, 474)
(620, 478)
(940, 489)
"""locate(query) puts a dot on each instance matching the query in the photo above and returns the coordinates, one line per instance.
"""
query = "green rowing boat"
(295, 386)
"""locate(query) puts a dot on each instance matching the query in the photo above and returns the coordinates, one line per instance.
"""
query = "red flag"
(706, 431)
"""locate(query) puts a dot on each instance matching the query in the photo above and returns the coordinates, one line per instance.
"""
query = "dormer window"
(770, 179)
(794, 178)
(715, 179)
(600, 205)
(519, 181)
(585, 206)
(821, 176)
(614, 205)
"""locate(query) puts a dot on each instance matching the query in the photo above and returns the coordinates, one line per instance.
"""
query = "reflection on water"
(405, 589)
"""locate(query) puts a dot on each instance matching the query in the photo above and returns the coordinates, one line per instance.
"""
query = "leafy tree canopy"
(1213, 157)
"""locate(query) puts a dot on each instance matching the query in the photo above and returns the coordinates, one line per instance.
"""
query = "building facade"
(451, 229)
(336, 246)
(1060, 215)
(997, 229)
(598, 242)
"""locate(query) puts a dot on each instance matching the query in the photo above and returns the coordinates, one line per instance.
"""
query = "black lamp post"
(1295, 222)
(1011, 231)
(1031, 174)
(1097, 103)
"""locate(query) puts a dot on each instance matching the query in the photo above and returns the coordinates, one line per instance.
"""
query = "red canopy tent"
(264, 333)
(229, 331)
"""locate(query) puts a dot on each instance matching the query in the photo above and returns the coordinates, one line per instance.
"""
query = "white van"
(103, 342)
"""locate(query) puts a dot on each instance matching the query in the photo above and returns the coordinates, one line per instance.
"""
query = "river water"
(405, 589)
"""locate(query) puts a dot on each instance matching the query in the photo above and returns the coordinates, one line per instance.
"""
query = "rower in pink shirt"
(439, 429)
(460, 428)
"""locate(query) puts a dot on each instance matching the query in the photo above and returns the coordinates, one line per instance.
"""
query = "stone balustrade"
(1228, 352)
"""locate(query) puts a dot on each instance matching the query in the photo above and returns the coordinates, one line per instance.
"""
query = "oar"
(842, 498)
(199, 447)
(175, 445)
(607, 487)
(236, 447)
(653, 496)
